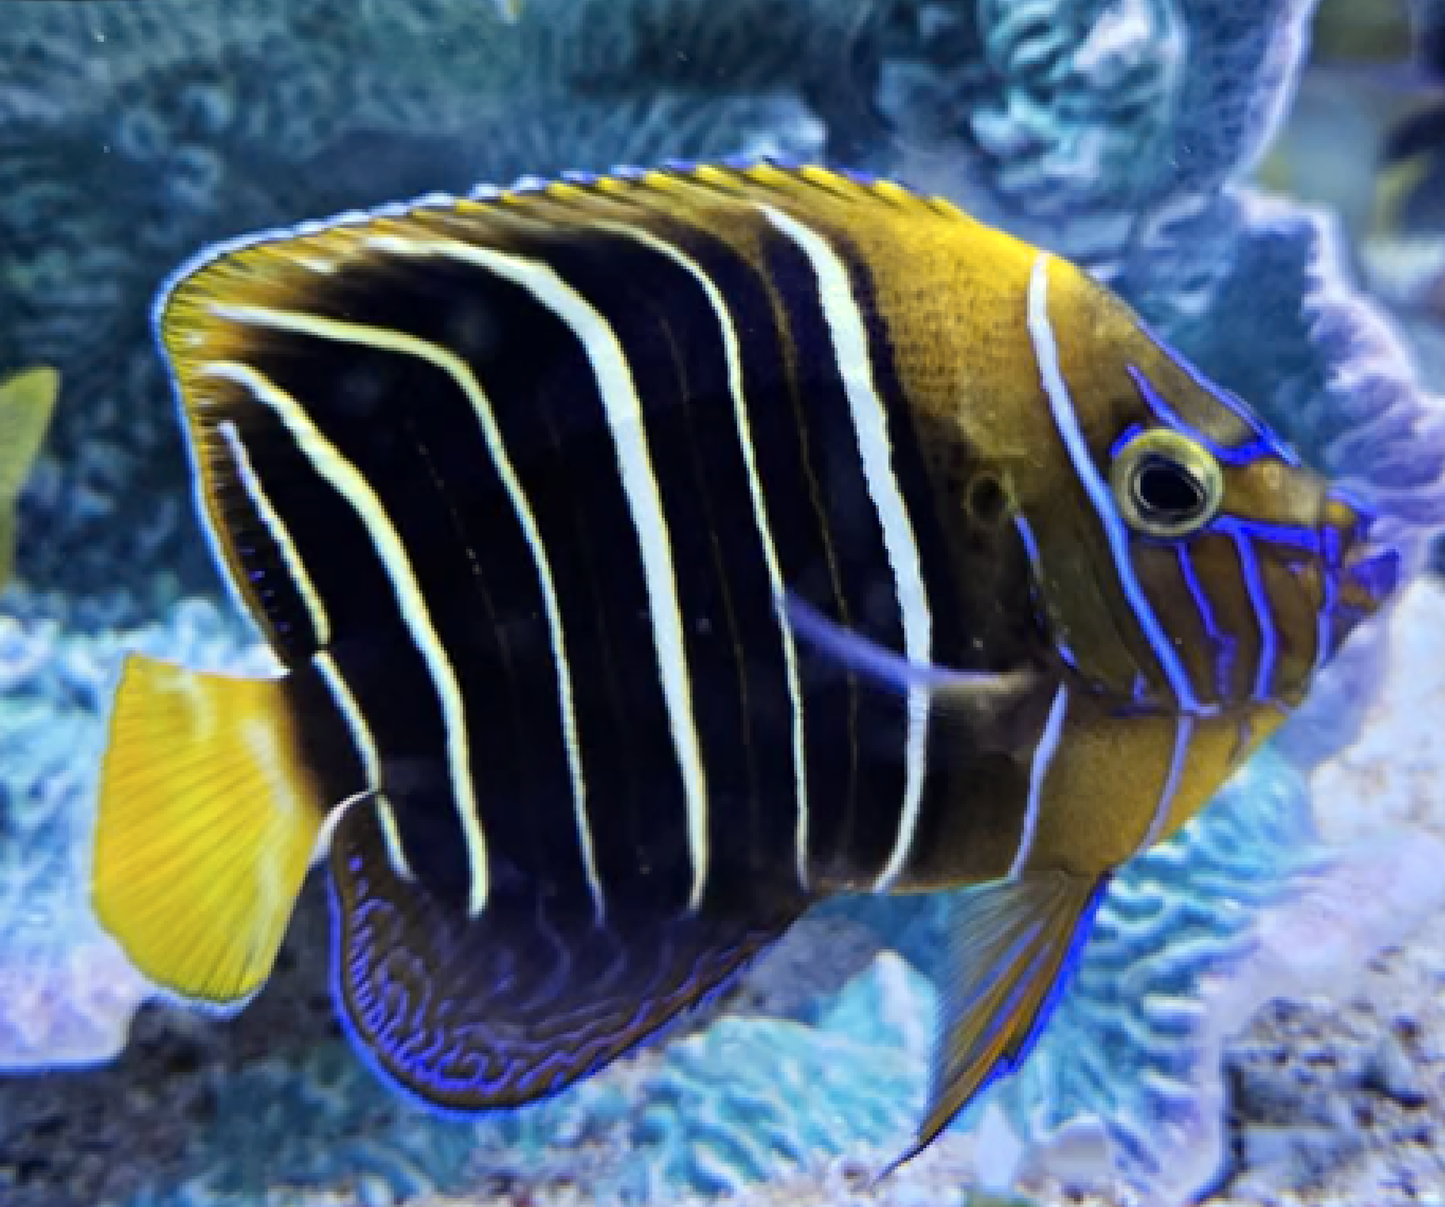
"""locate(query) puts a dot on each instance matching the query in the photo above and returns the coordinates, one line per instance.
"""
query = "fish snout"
(1368, 578)
(1368, 571)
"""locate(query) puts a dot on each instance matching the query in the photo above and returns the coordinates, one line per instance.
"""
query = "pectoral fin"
(1000, 711)
(1012, 948)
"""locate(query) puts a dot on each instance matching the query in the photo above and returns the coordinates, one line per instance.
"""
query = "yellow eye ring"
(1166, 485)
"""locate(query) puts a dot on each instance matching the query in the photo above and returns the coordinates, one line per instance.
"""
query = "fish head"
(1187, 560)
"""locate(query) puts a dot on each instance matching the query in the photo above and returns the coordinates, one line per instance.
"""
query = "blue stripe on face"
(1295, 537)
(1322, 544)
(1259, 600)
(1223, 644)
(1116, 534)
(1031, 549)
(1258, 449)
(1123, 438)
(1235, 406)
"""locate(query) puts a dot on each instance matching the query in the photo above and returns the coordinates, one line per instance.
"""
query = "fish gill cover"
(1117, 133)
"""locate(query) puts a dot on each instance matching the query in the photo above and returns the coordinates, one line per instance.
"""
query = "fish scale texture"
(1113, 132)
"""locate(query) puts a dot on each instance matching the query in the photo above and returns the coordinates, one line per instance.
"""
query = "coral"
(1081, 126)
(1428, 19)
(1131, 1046)
(1331, 374)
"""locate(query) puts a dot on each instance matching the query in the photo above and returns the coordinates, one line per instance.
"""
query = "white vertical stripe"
(342, 476)
(365, 743)
(1183, 733)
(639, 484)
(276, 528)
(466, 381)
(733, 354)
(355, 721)
(1046, 352)
(870, 422)
(1038, 776)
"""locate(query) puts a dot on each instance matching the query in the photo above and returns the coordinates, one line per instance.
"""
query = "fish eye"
(1165, 484)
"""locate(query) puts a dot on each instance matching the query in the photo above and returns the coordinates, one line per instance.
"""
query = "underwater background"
(1260, 1014)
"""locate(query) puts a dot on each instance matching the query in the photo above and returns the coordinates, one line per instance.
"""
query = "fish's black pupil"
(1167, 490)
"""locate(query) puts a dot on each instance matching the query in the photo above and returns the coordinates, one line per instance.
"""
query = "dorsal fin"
(231, 320)
(266, 263)
(759, 179)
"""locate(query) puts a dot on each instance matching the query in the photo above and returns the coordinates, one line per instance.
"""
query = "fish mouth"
(1367, 569)
(1368, 579)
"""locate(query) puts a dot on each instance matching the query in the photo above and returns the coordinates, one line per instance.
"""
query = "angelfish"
(27, 401)
(654, 555)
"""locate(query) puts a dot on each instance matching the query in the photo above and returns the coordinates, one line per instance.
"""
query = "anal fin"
(521, 1001)
(1013, 947)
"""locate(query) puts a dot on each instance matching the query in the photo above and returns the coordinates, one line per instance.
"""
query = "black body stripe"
(370, 645)
(789, 459)
(545, 402)
(270, 592)
(852, 841)
(950, 634)
(668, 327)
(414, 435)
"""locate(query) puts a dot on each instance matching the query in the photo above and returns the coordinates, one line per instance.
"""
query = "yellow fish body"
(27, 400)
(655, 555)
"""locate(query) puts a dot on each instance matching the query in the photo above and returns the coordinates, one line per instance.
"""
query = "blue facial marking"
(1259, 601)
(1066, 421)
(1031, 550)
(1246, 454)
(1295, 537)
(1224, 644)
(1225, 399)
(1123, 439)
(1325, 620)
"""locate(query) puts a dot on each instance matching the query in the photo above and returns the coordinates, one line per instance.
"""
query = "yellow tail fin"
(207, 821)
(26, 402)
